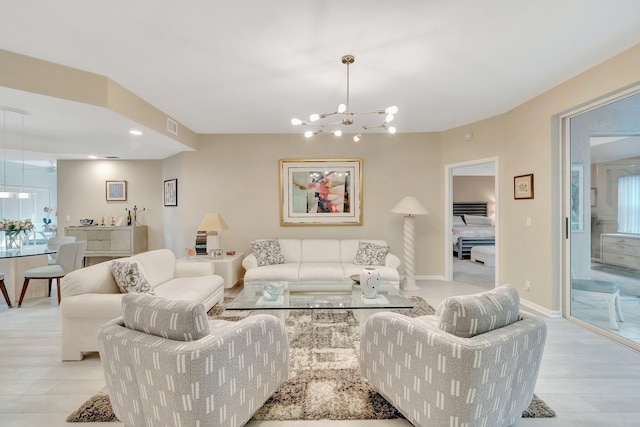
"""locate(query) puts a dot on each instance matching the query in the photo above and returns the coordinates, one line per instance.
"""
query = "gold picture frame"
(320, 192)
(523, 187)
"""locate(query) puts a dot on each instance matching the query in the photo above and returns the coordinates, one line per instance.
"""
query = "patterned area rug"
(324, 380)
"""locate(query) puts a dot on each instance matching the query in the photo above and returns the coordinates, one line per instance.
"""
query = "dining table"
(13, 263)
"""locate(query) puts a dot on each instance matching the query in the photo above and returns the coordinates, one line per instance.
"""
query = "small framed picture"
(523, 187)
(171, 192)
(215, 253)
(116, 191)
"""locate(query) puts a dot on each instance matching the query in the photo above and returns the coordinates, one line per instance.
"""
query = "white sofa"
(90, 296)
(319, 259)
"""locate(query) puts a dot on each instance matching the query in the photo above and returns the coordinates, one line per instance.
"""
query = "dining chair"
(70, 257)
(53, 244)
(4, 290)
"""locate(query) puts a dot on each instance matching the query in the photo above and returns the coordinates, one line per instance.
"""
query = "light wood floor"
(588, 380)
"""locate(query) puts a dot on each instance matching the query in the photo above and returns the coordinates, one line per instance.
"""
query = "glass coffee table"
(318, 295)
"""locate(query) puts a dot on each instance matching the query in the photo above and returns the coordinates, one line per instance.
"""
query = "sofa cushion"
(291, 249)
(370, 254)
(470, 315)
(158, 265)
(321, 270)
(320, 250)
(267, 252)
(287, 271)
(176, 320)
(130, 278)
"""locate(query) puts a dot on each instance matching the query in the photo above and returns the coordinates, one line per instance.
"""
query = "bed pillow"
(267, 252)
(130, 278)
(477, 220)
(457, 221)
(371, 254)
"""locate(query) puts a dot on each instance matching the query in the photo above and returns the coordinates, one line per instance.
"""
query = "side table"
(229, 267)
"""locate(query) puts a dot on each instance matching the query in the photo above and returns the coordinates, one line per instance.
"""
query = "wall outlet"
(527, 285)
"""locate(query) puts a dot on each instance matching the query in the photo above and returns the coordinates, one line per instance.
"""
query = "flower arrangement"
(16, 225)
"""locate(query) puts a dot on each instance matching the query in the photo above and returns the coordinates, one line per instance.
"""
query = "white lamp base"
(212, 242)
(409, 284)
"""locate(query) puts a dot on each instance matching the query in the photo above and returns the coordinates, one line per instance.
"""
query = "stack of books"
(201, 242)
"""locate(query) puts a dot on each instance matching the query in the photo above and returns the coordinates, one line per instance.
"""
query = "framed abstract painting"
(321, 192)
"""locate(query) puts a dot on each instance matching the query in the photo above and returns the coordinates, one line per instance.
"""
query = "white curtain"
(629, 204)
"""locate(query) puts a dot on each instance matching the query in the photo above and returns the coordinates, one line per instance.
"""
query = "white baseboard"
(539, 309)
(429, 277)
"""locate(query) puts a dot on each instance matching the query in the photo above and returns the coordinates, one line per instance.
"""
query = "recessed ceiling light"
(135, 132)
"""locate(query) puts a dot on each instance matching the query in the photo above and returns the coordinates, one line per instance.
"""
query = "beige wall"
(526, 140)
(81, 193)
(237, 175)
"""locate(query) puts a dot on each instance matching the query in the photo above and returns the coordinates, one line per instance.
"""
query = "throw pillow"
(267, 252)
(477, 220)
(371, 254)
(469, 315)
(172, 319)
(130, 278)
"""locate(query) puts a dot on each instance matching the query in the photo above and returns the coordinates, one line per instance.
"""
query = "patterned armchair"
(475, 363)
(166, 364)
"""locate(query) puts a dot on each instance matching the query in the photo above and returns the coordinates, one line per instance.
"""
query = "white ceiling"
(249, 66)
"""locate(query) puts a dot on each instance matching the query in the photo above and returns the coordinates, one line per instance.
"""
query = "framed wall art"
(171, 192)
(116, 191)
(523, 187)
(321, 192)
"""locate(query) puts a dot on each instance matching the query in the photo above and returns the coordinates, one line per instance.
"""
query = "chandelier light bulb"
(308, 134)
(389, 118)
(392, 129)
(391, 110)
(338, 133)
(356, 138)
(296, 122)
(314, 117)
(342, 108)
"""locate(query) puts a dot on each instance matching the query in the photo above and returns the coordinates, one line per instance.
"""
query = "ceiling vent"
(172, 126)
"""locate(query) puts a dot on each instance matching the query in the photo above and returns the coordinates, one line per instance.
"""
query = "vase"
(13, 240)
(370, 282)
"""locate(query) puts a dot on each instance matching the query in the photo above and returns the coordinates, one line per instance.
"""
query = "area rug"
(324, 380)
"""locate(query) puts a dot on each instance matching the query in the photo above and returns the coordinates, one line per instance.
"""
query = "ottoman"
(484, 254)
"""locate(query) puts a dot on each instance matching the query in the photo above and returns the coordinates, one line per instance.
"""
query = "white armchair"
(475, 363)
(166, 363)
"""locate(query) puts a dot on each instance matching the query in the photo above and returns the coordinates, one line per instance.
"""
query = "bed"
(471, 227)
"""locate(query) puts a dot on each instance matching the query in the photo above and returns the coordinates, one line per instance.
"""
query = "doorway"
(471, 221)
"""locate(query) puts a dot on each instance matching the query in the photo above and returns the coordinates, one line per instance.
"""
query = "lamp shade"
(212, 222)
(410, 206)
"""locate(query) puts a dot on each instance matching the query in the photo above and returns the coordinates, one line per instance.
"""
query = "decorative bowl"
(86, 221)
(230, 253)
(271, 291)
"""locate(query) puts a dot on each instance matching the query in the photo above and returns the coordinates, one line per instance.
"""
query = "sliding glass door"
(602, 194)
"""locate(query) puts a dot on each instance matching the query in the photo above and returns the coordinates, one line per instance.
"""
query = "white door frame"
(448, 213)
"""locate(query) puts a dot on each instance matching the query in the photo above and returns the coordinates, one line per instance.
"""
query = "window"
(629, 204)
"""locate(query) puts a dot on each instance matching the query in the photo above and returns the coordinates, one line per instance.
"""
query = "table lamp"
(211, 224)
(409, 206)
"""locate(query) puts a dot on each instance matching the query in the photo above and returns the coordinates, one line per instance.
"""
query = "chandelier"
(343, 117)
